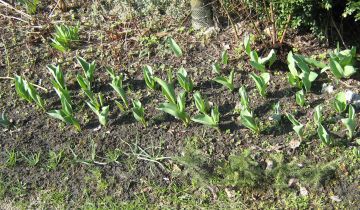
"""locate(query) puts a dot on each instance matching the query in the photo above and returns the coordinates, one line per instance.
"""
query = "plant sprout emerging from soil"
(58, 82)
(149, 78)
(117, 85)
(174, 47)
(340, 102)
(210, 120)
(244, 99)
(139, 112)
(276, 116)
(342, 62)
(216, 67)
(350, 122)
(248, 120)
(261, 82)
(89, 68)
(297, 126)
(226, 81)
(12, 158)
(318, 118)
(300, 98)
(27, 92)
(54, 159)
(324, 135)
(258, 62)
(4, 121)
(184, 80)
(30, 5)
(305, 78)
(167, 90)
(202, 104)
(33, 159)
(64, 37)
(176, 109)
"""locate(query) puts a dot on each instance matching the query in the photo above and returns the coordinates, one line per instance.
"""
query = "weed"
(113, 155)
(12, 158)
(54, 159)
(64, 37)
(30, 5)
(226, 81)
(33, 159)
(184, 81)
(27, 92)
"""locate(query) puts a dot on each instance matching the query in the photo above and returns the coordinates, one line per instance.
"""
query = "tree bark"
(201, 14)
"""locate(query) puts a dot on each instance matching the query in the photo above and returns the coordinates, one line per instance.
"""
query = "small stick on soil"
(231, 22)
(274, 36)
(35, 85)
(286, 27)
(16, 10)
(12, 17)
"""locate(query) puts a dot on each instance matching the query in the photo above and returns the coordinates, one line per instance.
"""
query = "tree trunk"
(201, 14)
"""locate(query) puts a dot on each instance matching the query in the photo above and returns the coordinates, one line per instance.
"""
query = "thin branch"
(286, 27)
(13, 17)
(35, 85)
(231, 22)
(13, 8)
(274, 36)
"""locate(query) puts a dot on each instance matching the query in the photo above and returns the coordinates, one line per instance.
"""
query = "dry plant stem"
(12, 17)
(338, 31)
(253, 24)
(231, 22)
(286, 27)
(13, 8)
(274, 35)
(35, 85)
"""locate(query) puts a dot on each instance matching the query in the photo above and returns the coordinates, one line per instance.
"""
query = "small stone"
(327, 88)
(292, 182)
(335, 198)
(230, 193)
(294, 144)
(303, 191)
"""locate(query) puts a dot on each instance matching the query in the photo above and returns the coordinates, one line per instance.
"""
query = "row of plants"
(341, 64)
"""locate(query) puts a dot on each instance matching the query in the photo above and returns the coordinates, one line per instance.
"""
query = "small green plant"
(149, 77)
(113, 155)
(244, 99)
(340, 102)
(276, 116)
(4, 121)
(27, 92)
(350, 122)
(318, 118)
(89, 68)
(64, 37)
(324, 135)
(103, 114)
(342, 62)
(258, 62)
(117, 85)
(224, 57)
(177, 109)
(54, 159)
(210, 120)
(33, 159)
(167, 90)
(30, 5)
(174, 47)
(184, 80)
(248, 120)
(227, 81)
(303, 79)
(202, 104)
(138, 112)
(261, 82)
(297, 126)
(241, 171)
(12, 158)
(300, 98)
(58, 82)
(66, 113)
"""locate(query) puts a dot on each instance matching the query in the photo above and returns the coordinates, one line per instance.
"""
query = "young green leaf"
(167, 90)
(174, 47)
(224, 57)
(205, 119)
(248, 120)
(297, 126)
(4, 121)
(216, 68)
(340, 102)
(247, 44)
(318, 118)
(149, 78)
(139, 112)
(300, 99)
(350, 122)
(202, 104)
(89, 68)
(261, 82)
(227, 82)
(324, 135)
(244, 99)
(184, 81)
